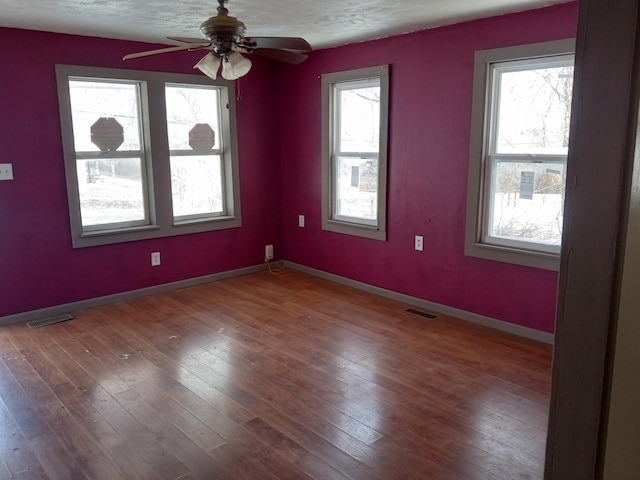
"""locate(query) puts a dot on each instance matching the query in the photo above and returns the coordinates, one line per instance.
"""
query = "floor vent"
(43, 322)
(421, 313)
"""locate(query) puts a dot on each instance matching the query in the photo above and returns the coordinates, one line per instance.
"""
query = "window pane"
(528, 201)
(188, 106)
(92, 100)
(193, 125)
(359, 119)
(111, 191)
(534, 110)
(196, 185)
(357, 188)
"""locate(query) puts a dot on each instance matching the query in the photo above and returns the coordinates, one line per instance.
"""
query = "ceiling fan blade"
(202, 41)
(158, 51)
(288, 43)
(286, 56)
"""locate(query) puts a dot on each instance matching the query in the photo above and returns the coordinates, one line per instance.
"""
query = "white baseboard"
(401, 297)
(429, 306)
(117, 297)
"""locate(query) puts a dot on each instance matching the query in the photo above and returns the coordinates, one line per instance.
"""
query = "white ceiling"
(323, 23)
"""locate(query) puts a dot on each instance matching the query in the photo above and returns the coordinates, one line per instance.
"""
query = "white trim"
(119, 297)
(496, 324)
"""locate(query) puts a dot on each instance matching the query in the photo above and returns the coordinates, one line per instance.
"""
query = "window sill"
(119, 231)
(93, 239)
(528, 258)
(365, 231)
(200, 221)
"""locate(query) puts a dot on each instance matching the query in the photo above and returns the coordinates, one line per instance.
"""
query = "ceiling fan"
(224, 36)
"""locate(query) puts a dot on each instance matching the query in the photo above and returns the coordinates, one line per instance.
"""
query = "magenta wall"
(430, 104)
(38, 267)
(279, 147)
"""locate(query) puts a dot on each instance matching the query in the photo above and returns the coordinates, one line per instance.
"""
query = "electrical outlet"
(6, 171)
(155, 259)
(268, 253)
(419, 244)
(301, 220)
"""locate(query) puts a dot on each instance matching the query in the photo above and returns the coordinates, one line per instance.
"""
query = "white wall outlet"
(6, 171)
(301, 220)
(419, 244)
(268, 253)
(155, 259)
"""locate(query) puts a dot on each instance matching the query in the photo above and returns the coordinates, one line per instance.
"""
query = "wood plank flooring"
(270, 377)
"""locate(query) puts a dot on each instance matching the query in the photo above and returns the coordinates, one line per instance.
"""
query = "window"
(518, 157)
(147, 154)
(110, 157)
(195, 152)
(354, 135)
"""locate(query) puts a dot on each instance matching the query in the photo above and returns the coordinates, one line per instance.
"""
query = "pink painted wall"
(430, 106)
(38, 266)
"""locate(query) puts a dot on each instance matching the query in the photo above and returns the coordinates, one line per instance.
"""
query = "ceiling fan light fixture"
(209, 65)
(224, 36)
(235, 66)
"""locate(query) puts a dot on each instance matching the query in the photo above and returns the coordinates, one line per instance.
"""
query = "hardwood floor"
(270, 377)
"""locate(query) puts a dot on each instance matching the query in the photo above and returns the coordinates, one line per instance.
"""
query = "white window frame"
(330, 117)
(477, 243)
(155, 157)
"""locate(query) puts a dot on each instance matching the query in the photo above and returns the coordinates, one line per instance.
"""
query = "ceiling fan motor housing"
(223, 31)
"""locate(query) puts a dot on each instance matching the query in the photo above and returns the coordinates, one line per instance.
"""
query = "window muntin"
(146, 157)
(193, 113)
(519, 142)
(355, 112)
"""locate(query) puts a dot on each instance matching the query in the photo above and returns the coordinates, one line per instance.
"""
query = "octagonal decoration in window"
(202, 137)
(107, 134)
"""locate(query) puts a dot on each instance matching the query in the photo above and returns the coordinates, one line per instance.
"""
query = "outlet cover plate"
(6, 171)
